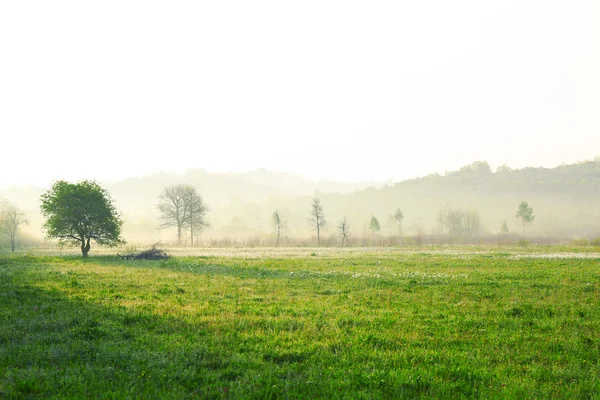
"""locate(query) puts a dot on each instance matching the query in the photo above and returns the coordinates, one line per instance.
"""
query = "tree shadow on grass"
(55, 346)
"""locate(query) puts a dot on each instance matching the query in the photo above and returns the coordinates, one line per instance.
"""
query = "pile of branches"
(151, 254)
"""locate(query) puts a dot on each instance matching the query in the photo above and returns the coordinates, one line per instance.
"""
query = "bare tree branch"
(317, 218)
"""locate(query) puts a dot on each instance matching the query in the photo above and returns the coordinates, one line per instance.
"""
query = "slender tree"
(504, 228)
(317, 218)
(344, 229)
(525, 212)
(280, 226)
(374, 225)
(173, 208)
(399, 217)
(390, 224)
(195, 220)
(81, 212)
(11, 220)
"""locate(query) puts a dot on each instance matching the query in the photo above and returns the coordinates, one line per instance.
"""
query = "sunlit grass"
(303, 323)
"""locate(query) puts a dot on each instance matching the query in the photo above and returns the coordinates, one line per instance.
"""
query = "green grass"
(381, 324)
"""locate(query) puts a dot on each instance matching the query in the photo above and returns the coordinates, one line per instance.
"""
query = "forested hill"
(566, 199)
(582, 178)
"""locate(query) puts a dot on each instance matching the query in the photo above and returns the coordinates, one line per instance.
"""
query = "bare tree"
(182, 207)
(458, 222)
(280, 226)
(195, 219)
(442, 220)
(11, 219)
(472, 223)
(344, 229)
(173, 208)
(317, 218)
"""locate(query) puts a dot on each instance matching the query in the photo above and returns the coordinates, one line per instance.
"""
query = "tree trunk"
(178, 235)
(191, 236)
(12, 243)
(85, 248)
(191, 229)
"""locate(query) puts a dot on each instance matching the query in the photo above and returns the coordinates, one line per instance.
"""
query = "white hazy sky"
(342, 90)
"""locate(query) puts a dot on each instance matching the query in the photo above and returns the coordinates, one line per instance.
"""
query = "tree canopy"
(182, 207)
(525, 212)
(77, 213)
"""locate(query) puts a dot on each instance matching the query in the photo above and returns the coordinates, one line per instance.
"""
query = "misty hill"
(582, 178)
(565, 199)
(218, 189)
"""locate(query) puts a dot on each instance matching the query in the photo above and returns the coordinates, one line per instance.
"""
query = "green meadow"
(299, 324)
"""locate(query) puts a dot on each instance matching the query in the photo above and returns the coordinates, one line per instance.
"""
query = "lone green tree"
(78, 213)
(11, 220)
(525, 212)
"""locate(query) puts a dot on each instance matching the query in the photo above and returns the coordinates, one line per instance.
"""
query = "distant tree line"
(84, 212)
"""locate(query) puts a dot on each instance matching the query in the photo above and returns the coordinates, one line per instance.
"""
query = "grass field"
(310, 323)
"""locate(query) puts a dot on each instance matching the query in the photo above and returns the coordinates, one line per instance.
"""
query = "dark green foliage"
(79, 213)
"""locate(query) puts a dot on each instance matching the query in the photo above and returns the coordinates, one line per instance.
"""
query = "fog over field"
(240, 206)
(318, 199)
(453, 113)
